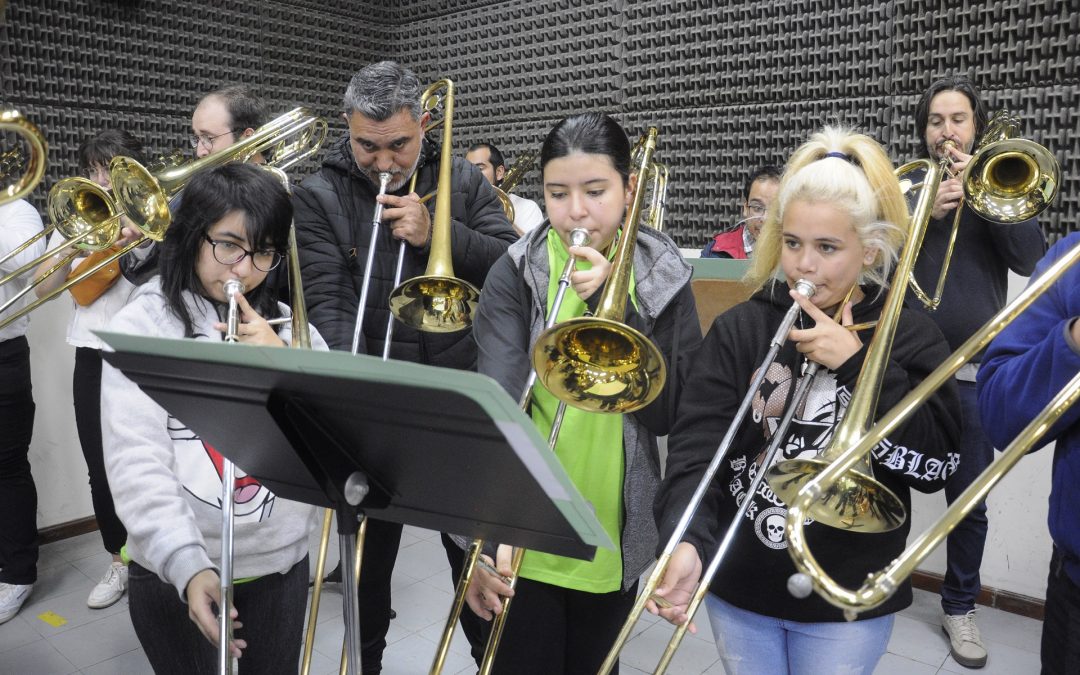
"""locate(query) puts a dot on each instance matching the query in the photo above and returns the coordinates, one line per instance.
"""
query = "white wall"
(55, 456)
(1017, 549)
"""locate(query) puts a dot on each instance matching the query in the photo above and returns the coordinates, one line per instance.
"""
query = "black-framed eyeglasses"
(208, 141)
(228, 253)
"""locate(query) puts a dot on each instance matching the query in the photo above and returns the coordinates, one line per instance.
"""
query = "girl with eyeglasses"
(233, 224)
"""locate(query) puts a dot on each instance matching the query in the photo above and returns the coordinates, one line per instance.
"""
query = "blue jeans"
(753, 644)
(964, 546)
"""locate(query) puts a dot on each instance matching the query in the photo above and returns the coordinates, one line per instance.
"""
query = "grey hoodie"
(165, 480)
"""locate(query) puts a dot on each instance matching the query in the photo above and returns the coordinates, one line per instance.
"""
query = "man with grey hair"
(334, 212)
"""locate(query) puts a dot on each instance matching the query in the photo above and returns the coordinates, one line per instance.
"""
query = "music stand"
(442, 449)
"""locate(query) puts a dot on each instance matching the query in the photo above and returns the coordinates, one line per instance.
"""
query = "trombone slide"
(804, 288)
(578, 237)
(228, 504)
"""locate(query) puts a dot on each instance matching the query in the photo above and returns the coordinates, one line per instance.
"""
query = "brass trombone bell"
(856, 501)
(1011, 181)
(599, 365)
(13, 121)
(438, 302)
(435, 303)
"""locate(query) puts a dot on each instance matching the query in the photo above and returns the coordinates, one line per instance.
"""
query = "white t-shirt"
(527, 214)
(18, 222)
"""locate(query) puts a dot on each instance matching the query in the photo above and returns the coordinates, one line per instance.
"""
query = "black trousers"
(86, 392)
(270, 607)
(1061, 624)
(18, 496)
(381, 543)
(551, 629)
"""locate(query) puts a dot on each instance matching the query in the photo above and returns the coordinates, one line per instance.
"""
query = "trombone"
(1008, 180)
(437, 302)
(522, 165)
(880, 585)
(805, 289)
(657, 178)
(34, 170)
(598, 363)
(144, 197)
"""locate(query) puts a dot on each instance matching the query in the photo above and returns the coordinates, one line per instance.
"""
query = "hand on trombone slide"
(253, 329)
(672, 597)
(828, 343)
(490, 584)
(407, 217)
(950, 193)
(587, 282)
(203, 594)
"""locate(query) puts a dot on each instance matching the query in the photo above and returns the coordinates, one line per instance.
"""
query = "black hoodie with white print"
(920, 454)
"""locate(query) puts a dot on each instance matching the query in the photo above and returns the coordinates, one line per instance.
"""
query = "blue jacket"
(1024, 367)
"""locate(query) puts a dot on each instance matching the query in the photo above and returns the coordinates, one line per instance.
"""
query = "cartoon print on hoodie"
(199, 468)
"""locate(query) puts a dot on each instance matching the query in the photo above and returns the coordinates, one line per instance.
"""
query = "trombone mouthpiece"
(384, 180)
(805, 288)
(579, 236)
(800, 586)
(233, 286)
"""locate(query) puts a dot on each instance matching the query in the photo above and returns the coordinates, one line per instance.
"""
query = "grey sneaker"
(111, 587)
(12, 597)
(964, 641)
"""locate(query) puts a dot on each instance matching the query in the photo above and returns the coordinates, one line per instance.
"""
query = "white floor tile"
(60, 580)
(918, 641)
(891, 664)
(132, 663)
(38, 658)
(414, 655)
(420, 605)
(423, 559)
(925, 607)
(93, 566)
(644, 651)
(16, 633)
(98, 641)
(44, 613)
(1010, 629)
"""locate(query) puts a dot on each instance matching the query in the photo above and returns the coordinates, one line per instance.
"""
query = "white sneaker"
(964, 640)
(111, 587)
(12, 597)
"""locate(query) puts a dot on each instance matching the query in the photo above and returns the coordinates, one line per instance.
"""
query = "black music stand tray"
(442, 449)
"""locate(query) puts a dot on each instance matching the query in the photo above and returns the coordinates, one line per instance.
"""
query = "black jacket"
(920, 454)
(333, 213)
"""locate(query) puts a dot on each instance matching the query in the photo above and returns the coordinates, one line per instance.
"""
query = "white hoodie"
(166, 482)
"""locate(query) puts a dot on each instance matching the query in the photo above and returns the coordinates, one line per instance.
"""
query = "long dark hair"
(590, 133)
(960, 83)
(209, 197)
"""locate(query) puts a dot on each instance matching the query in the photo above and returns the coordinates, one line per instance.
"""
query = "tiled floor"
(102, 642)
